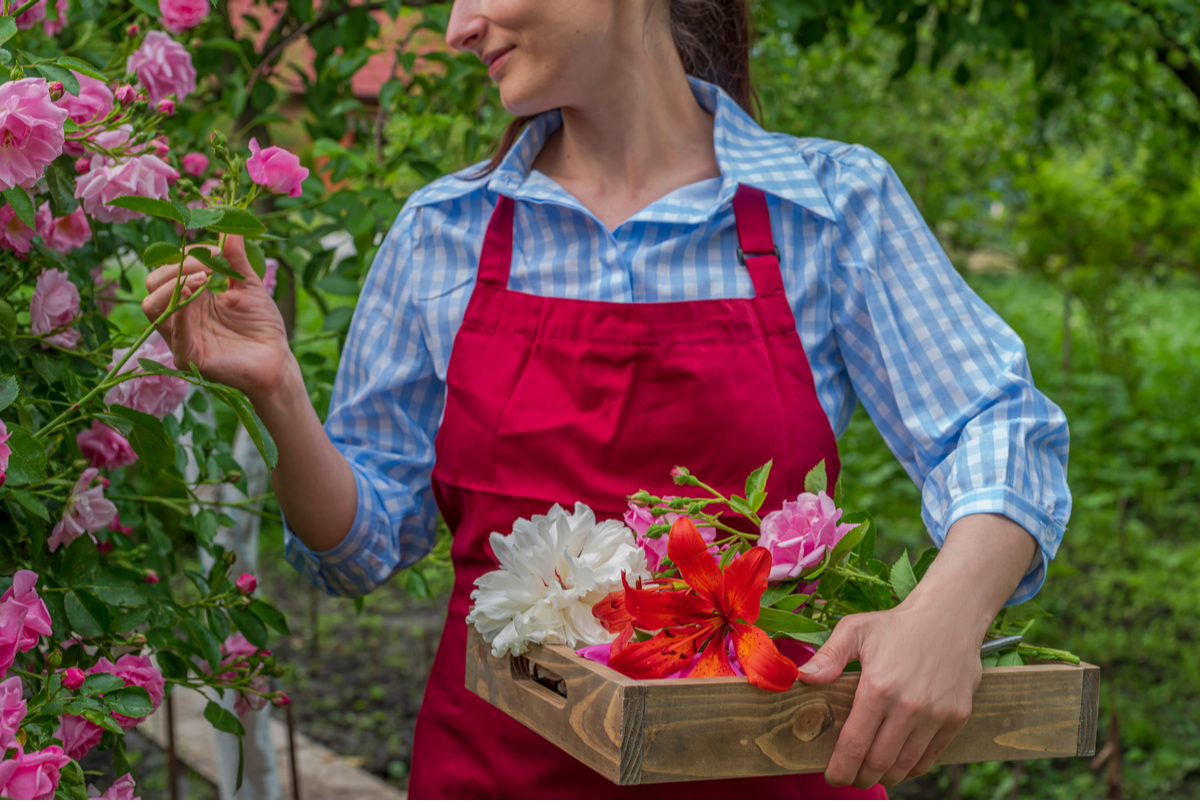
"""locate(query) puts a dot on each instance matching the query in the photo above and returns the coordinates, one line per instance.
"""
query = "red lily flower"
(722, 603)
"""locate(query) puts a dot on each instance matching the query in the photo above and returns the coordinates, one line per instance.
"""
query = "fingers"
(902, 763)
(165, 275)
(939, 743)
(843, 646)
(154, 304)
(855, 741)
(235, 251)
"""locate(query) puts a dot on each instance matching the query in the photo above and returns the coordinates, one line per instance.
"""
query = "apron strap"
(757, 246)
(495, 261)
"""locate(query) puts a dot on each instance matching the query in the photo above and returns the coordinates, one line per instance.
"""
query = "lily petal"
(657, 657)
(715, 659)
(660, 609)
(745, 583)
(612, 612)
(765, 667)
(688, 550)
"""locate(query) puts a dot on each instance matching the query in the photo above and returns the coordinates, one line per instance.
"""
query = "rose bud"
(82, 165)
(281, 699)
(151, 577)
(56, 90)
(72, 678)
(104, 547)
(246, 584)
(133, 30)
(165, 106)
(125, 94)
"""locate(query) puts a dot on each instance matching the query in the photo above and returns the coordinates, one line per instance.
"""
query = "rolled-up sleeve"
(945, 380)
(383, 417)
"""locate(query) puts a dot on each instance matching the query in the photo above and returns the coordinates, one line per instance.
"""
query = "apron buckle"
(742, 256)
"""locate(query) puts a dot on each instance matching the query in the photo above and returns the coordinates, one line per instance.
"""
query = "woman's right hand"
(236, 337)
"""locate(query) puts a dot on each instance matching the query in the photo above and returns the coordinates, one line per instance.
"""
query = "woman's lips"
(498, 62)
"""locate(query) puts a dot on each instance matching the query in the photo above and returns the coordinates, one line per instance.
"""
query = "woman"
(643, 277)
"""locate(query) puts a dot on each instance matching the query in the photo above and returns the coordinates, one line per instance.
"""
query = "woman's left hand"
(920, 661)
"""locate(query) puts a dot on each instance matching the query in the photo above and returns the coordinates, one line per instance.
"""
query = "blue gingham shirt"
(883, 316)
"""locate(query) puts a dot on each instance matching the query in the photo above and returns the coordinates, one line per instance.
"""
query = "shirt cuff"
(334, 570)
(1045, 530)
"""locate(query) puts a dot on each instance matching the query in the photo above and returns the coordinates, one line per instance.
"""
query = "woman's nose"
(467, 25)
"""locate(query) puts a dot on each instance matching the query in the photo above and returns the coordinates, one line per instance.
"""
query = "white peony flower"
(553, 569)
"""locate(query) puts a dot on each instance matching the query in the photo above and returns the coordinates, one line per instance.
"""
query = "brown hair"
(713, 40)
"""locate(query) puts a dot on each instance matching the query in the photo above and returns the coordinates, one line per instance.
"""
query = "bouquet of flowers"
(688, 587)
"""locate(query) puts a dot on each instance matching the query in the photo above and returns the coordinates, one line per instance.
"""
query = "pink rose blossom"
(88, 511)
(640, 520)
(164, 67)
(276, 169)
(179, 15)
(246, 584)
(55, 303)
(34, 775)
(166, 107)
(82, 165)
(105, 447)
(31, 17)
(5, 451)
(271, 275)
(31, 130)
(95, 100)
(195, 164)
(136, 671)
(78, 735)
(15, 235)
(73, 678)
(63, 234)
(144, 176)
(12, 712)
(36, 623)
(126, 94)
(122, 789)
(53, 27)
(799, 534)
(158, 395)
(236, 648)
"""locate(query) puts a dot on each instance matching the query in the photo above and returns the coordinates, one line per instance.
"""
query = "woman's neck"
(640, 136)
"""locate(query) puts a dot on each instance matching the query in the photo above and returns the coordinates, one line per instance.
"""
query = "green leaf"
(113, 421)
(8, 320)
(254, 427)
(202, 218)
(203, 639)
(53, 72)
(903, 580)
(115, 592)
(18, 198)
(206, 529)
(27, 464)
(86, 613)
(78, 561)
(30, 502)
(339, 284)
(817, 638)
(151, 206)
(866, 547)
(257, 259)
(237, 221)
(83, 67)
(148, 438)
(923, 562)
(1009, 659)
(222, 719)
(780, 590)
(98, 683)
(61, 191)
(172, 665)
(864, 524)
(147, 7)
(160, 253)
(132, 702)
(103, 720)
(8, 29)
(215, 262)
(727, 556)
(270, 615)
(816, 480)
(770, 619)
(756, 484)
(249, 625)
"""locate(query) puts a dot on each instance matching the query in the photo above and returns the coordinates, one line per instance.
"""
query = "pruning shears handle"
(999, 644)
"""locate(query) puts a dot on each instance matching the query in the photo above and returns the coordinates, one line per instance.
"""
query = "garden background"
(1052, 147)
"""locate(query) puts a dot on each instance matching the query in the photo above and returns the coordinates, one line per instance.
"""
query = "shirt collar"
(746, 154)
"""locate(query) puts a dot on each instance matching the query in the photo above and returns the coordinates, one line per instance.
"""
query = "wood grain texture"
(640, 732)
(1089, 710)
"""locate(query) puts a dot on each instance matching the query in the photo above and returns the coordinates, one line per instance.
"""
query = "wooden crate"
(640, 732)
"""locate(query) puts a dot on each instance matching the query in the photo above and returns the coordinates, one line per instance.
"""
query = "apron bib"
(553, 400)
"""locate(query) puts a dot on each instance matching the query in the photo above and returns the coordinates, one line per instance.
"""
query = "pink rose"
(105, 447)
(78, 735)
(15, 235)
(31, 17)
(31, 128)
(281, 699)
(53, 27)
(179, 15)
(144, 176)
(246, 584)
(87, 511)
(195, 164)
(33, 775)
(63, 234)
(126, 94)
(136, 671)
(106, 297)
(5, 451)
(271, 275)
(236, 648)
(276, 169)
(799, 534)
(640, 520)
(158, 395)
(55, 304)
(36, 622)
(95, 100)
(150, 577)
(116, 526)
(122, 789)
(165, 107)
(164, 67)
(73, 678)
(82, 165)
(12, 712)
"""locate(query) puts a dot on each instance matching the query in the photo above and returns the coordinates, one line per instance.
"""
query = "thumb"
(842, 647)
(235, 251)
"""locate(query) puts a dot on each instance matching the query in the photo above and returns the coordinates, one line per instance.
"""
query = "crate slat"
(641, 732)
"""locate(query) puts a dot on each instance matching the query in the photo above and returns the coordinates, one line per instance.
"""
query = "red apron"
(554, 400)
